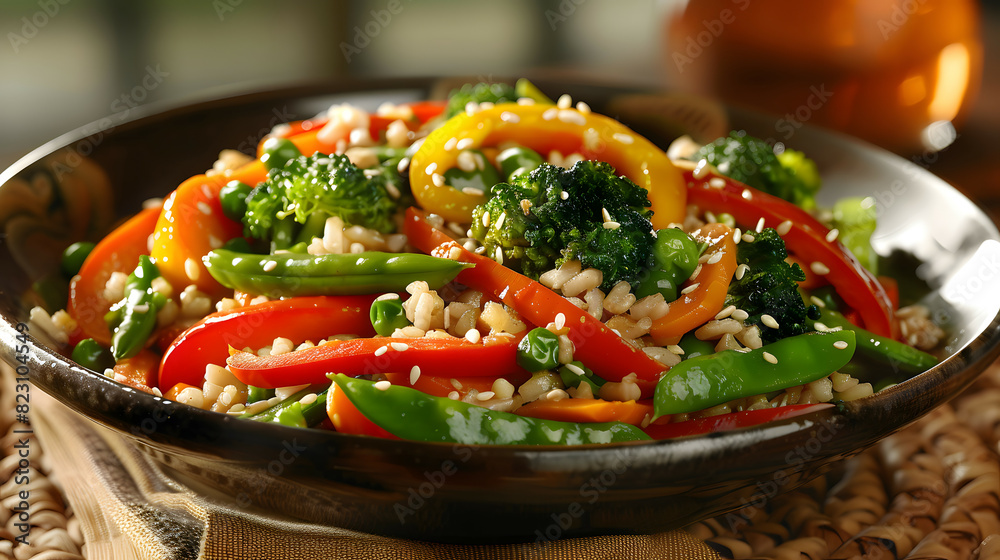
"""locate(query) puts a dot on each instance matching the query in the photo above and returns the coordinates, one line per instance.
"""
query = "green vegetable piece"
(256, 394)
(329, 185)
(133, 319)
(803, 169)
(238, 245)
(51, 290)
(73, 257)
(890, 356)
(524, 88)
(278, 152)
(387, 315)
(855, 218)
(233, 197)
(707, 381)
(752, 161)
(538, 350)
(90, 354)
(517, 160)
(769, 286)
(565, 221)
(478, 93)
(292, 412)
(694, 347)
(410, 414)
(481, 179)
(296, 274)
(675, 256)
(571, 378)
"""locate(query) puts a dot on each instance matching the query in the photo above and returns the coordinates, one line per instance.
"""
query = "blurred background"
(919, 77)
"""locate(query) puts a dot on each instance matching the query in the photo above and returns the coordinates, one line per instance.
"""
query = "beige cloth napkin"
(129, 509)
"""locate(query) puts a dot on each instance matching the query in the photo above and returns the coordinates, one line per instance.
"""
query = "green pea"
(387, 315)
(278, 152)
(538, 350)
(73, 257)
(517, 160)
(233, 197)
(675, 256)
(480, 179)
(90, 354)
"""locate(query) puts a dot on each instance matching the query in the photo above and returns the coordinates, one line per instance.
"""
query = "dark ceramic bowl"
(75, 187)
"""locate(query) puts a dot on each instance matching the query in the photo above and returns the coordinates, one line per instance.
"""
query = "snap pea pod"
(707, 381)
(291, 411)
(291, 274)
(411, 414)
(133, 318)
(901, 357)
(571, 378)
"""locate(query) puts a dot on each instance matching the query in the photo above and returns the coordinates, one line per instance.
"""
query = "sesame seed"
(550, 114)
(675, 349)
(737, 235)
(569, 116)
(141, 308)
(710, 217)
(191, 269)
(701, 169)
(769, 357)
(471, 108)
(819, 268)
(399, 346)
(749, 238)
(512, 118)
(465, 143)
(760, 225)
(485, 396)
(438, 180)
(564, 195)
(456, 384)
(498, 256)
(717, 182)
(308, 399)
(741, 271)
(525, 101)
(716, 257)
(450, 144)
(381, 350)
(560, 321)
(414, 374)
(383, 385)
(565, 101)
(817, 302)
(431, 168)
(204, 208)
(582, 107)
(626, 139)
(473, 336)
(784, 227)
(840, 345)
(393, 190)
(387, 297)
(768, 321)
(500, 220)
(690, 288)
(486, 219)
(269, 266)
(611, 225)
(746, 194)
(453, 395)
(832, 235)
(471, 190)
(605, 214)
(821, 327)
(575, 369)
(695, 272)
(740, 315)
(726, 312)
(214, 242)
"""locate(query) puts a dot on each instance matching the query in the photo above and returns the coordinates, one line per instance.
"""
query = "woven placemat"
(929, 492)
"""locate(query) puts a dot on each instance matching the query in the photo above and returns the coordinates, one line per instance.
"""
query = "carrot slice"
(590, 410)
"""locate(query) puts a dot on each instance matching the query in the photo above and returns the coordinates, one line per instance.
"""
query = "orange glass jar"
(894, 72)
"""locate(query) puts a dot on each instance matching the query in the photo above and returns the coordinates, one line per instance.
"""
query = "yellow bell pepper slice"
(543, 128)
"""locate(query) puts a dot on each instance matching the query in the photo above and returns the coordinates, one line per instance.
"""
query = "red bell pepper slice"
(119, 251)
(494, 356)
(298, 319)
(603, 351)
(731, 421)
(806, 239)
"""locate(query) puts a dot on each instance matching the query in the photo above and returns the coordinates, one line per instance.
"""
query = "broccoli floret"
(770, 286)
(855, 218)
(752, 161)
(552, 215)
(308, 189)
(478, 93)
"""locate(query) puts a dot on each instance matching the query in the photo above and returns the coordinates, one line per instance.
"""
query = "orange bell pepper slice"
(590, 410)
